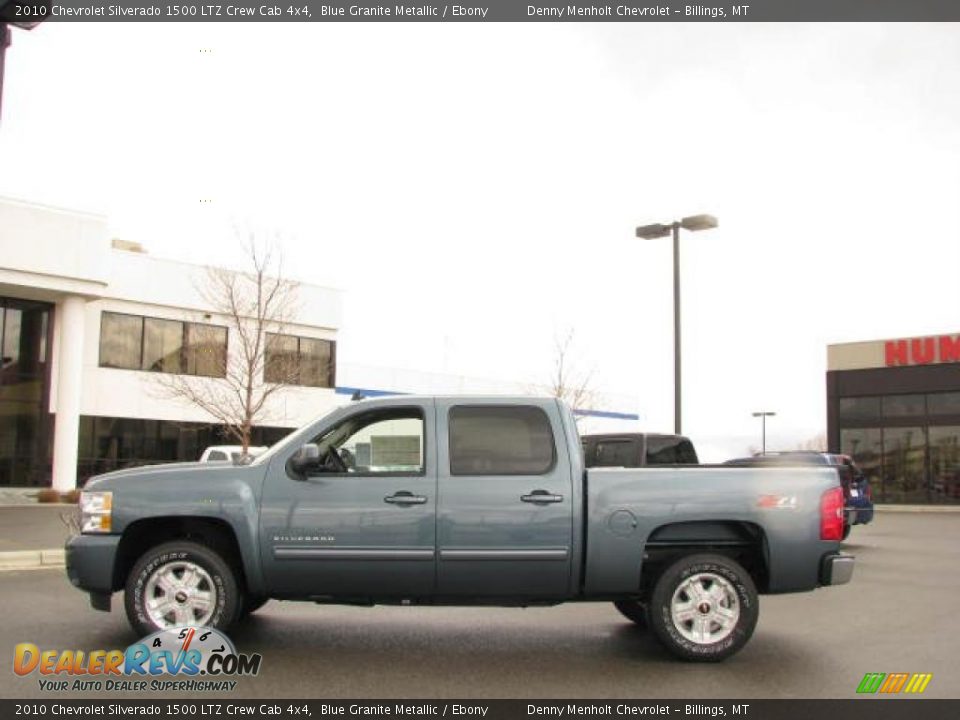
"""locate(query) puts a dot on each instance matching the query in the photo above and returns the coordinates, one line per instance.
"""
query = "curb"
(32, 559)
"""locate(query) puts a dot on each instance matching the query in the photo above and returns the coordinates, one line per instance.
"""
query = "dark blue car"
(858, 496)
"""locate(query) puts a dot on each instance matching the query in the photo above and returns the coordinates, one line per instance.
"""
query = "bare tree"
(257, 363)
(567, 382)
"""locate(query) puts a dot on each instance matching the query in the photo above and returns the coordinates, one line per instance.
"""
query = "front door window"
(376, 443)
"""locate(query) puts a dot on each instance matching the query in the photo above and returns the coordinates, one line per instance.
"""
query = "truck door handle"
(541, 496)
(405, 498)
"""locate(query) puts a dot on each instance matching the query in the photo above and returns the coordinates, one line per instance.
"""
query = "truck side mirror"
(305, 459)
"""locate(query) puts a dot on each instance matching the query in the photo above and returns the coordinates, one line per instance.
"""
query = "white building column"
(66, 434)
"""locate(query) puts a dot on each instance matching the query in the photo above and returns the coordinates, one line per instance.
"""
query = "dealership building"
(894, 406)
(91, 326)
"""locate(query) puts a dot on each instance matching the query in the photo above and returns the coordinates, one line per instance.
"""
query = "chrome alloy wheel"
(179, 593)
(705, 608)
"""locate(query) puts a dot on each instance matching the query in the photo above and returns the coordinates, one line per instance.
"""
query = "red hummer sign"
(922, 351)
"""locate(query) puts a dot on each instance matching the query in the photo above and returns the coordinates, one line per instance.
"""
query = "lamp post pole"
(677, 406)
(693, 223)
(763, 429)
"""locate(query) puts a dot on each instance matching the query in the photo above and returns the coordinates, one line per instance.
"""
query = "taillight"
(869, 493)
(831, 514)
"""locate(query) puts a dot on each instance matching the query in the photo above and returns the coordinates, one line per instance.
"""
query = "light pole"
(763, 432)
(659, 230)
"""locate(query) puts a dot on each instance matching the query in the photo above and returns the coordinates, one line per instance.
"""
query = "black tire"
(737, 591)
(252, 603)
(223, 585)
(846, 531)
(633, 610)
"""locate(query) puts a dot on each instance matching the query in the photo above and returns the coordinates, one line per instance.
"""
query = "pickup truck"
(458, 501)
(857, 493)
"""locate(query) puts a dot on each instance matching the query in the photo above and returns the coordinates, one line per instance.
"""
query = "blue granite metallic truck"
(458, 501)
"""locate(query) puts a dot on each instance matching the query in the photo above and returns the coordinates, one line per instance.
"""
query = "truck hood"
(166, 471)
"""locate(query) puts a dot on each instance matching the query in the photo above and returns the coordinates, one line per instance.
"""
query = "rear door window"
(500, 440)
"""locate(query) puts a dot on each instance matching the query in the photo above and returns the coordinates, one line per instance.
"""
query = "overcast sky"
(475, 188)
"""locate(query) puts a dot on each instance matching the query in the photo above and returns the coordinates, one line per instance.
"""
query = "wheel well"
(741, 541)
(142, 535)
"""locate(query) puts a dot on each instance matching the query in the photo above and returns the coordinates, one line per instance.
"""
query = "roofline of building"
(52, 208)
(149, 256)
(890, 339)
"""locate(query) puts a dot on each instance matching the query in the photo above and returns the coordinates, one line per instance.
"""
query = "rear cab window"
(670, 451)
(615, 453)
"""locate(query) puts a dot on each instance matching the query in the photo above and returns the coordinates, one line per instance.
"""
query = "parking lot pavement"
(897, 615)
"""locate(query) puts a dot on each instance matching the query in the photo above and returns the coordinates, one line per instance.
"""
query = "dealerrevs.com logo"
(203, 657)
(892, 683)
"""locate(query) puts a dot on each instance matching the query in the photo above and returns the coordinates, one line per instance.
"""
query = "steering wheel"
(334, 463)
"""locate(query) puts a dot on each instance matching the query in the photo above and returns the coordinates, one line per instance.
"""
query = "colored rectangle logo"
(894, 683)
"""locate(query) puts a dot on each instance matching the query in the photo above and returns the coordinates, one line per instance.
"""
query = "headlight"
(96, 512)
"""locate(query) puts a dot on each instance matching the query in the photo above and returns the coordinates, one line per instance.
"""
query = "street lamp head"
(764, 414)
(698, 222)
(652, 232)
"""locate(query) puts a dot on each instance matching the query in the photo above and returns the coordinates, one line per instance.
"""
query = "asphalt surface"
(34, 526)
(899, 614)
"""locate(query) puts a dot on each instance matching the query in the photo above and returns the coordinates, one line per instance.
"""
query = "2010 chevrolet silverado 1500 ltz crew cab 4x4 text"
(458, 501)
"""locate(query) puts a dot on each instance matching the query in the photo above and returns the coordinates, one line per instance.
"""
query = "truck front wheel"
(252, 603)
(181, 583)
(704, 608)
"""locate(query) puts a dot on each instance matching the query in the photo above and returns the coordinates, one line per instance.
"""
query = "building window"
(859, 408)
(904, 460)
(121, 341)
(162, 346)
(206, 350)
(865, 446)
(492, 440)
(111, 443)
(132, 342)
(945, 463)
(316, 363)
(904, 406)
(944, 403)
(293, 360)
(25, 423)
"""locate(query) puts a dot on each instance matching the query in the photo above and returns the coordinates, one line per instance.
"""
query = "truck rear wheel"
(181, 583)
(632, 609)
(704, 608)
